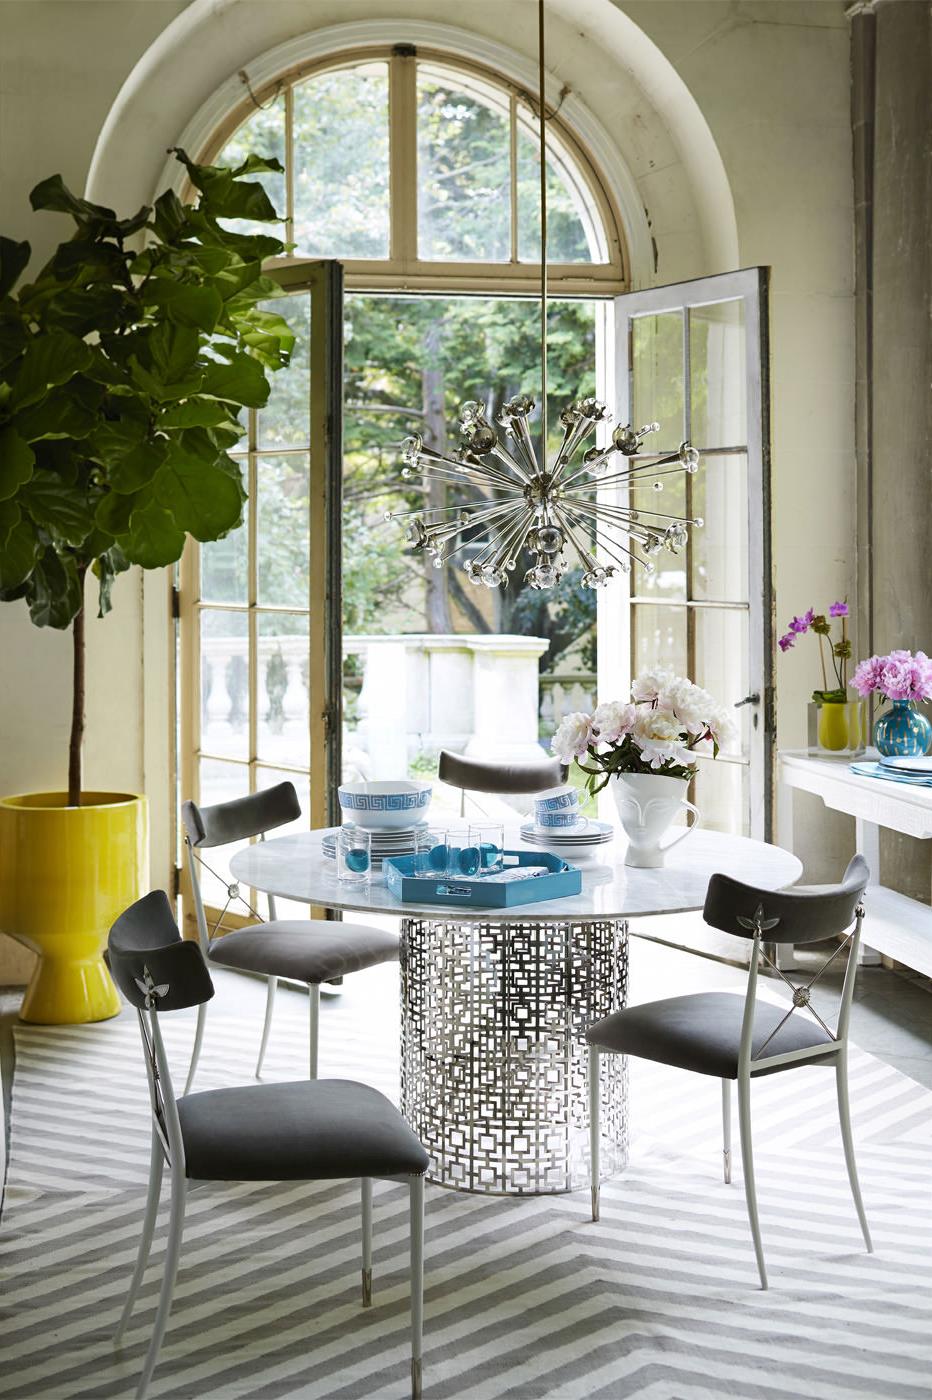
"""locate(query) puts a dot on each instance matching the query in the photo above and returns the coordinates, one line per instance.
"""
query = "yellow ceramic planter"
(65, 875)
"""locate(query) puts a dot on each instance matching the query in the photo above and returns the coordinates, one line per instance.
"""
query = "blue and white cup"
(557, 809)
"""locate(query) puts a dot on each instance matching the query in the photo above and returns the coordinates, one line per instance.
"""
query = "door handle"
(748, 700)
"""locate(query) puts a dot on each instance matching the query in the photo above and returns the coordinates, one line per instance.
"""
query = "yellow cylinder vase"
(65, 875)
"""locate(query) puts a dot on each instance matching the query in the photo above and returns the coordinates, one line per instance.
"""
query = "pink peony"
(898, 676)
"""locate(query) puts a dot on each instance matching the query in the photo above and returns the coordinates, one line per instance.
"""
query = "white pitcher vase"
(647, 804)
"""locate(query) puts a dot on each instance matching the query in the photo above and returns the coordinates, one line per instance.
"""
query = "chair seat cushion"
(702, 1032)
(309, 950)
(314, 1129)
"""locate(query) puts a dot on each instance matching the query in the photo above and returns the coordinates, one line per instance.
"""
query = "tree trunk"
(439, 619)
(76, 745)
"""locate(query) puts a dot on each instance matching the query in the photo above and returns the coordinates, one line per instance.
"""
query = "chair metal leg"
(747, 1163)
(726, 1128)
(595, 1130)
(156, 1164)
(417, 1283)
(196, 1051)
(314, 1024)
(271, 989)
(172, 1253)
(366, 1185)
(844, 1118)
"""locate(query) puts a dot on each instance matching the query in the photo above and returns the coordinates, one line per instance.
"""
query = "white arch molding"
(187, 79)
(641, 124)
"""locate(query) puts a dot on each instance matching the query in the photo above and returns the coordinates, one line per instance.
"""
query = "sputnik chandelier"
(555, 512)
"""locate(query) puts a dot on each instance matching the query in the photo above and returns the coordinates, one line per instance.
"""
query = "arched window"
(420, 172)
(420, 175)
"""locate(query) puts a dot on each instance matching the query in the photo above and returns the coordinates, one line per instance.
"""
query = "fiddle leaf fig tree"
(125, 367)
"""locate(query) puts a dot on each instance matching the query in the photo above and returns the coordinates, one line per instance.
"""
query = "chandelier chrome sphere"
(555, 513)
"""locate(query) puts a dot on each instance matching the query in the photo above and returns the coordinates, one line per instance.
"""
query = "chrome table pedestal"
(493, 1057)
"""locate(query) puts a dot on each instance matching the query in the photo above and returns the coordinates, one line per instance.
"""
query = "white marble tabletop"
(293, 867)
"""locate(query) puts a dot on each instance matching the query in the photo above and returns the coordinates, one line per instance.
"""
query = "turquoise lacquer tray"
(562, 881)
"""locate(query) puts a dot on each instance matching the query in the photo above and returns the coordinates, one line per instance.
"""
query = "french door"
(260, 610)
(693, 357)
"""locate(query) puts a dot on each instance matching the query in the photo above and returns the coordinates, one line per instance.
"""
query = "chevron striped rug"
(525, 1298)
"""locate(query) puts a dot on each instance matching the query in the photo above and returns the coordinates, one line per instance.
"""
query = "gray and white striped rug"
(525, 1298)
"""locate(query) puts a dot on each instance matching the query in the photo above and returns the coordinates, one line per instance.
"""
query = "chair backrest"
(805, 914)
(236, 820)
(145, 947)
(242, 817)
(157, 970)
(508, 779)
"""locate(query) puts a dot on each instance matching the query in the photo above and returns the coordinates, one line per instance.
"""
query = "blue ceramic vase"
(902, 730)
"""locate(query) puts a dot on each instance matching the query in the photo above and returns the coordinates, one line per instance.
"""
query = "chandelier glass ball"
(553, 515)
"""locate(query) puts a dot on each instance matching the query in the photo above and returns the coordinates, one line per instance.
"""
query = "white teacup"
(557, 808)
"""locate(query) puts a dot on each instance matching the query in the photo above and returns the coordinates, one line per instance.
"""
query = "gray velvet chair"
(741, 1038)
(505, 779)
(310, 1130)
(305, 950)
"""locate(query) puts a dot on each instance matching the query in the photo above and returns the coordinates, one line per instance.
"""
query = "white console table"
(896, 926)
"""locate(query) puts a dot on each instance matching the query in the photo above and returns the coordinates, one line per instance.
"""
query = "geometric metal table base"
(494, 1059)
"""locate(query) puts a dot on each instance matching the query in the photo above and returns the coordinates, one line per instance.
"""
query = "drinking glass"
(354, 856)
(452, 854)
(489, 840)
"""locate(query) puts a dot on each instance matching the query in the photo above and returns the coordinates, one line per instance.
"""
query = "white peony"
(649, 684)
(613, 719)
(573, 737)
(691, 704)
(722, 725)
(661, 737)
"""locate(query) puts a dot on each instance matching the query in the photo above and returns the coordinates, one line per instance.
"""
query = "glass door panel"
(692, 358)
(260, 610)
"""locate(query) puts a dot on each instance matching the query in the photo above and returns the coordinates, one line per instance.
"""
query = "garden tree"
(122, 373)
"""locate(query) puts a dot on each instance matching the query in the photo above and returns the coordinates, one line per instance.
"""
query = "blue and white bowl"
(385, 806)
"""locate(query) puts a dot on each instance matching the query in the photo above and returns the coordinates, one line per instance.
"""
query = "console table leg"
(867, 840)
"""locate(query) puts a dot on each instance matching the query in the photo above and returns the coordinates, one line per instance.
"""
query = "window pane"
(286, 419)
(282, 485)
(722, 664)
(282, 721)
(574, 228)
(262, 134)
(659, 638)
(464, 183)
(669, 577)
(717, 375)
(224, 563)
(720, 547)
(721, 794)
(220, 782)
(657, 391)
(341, 163)
(224, 683)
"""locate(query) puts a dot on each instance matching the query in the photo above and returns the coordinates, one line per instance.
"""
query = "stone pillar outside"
(506, 697)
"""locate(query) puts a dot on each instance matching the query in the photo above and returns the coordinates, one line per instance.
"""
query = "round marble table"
(495, 1003)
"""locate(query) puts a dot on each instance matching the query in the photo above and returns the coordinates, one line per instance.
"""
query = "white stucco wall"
(763, 81)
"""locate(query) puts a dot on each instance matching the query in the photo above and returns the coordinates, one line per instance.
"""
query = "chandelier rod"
(543, 230)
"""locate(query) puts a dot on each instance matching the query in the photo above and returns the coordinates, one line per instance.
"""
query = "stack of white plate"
(916, 770)
(575, 843)
(384, 843)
